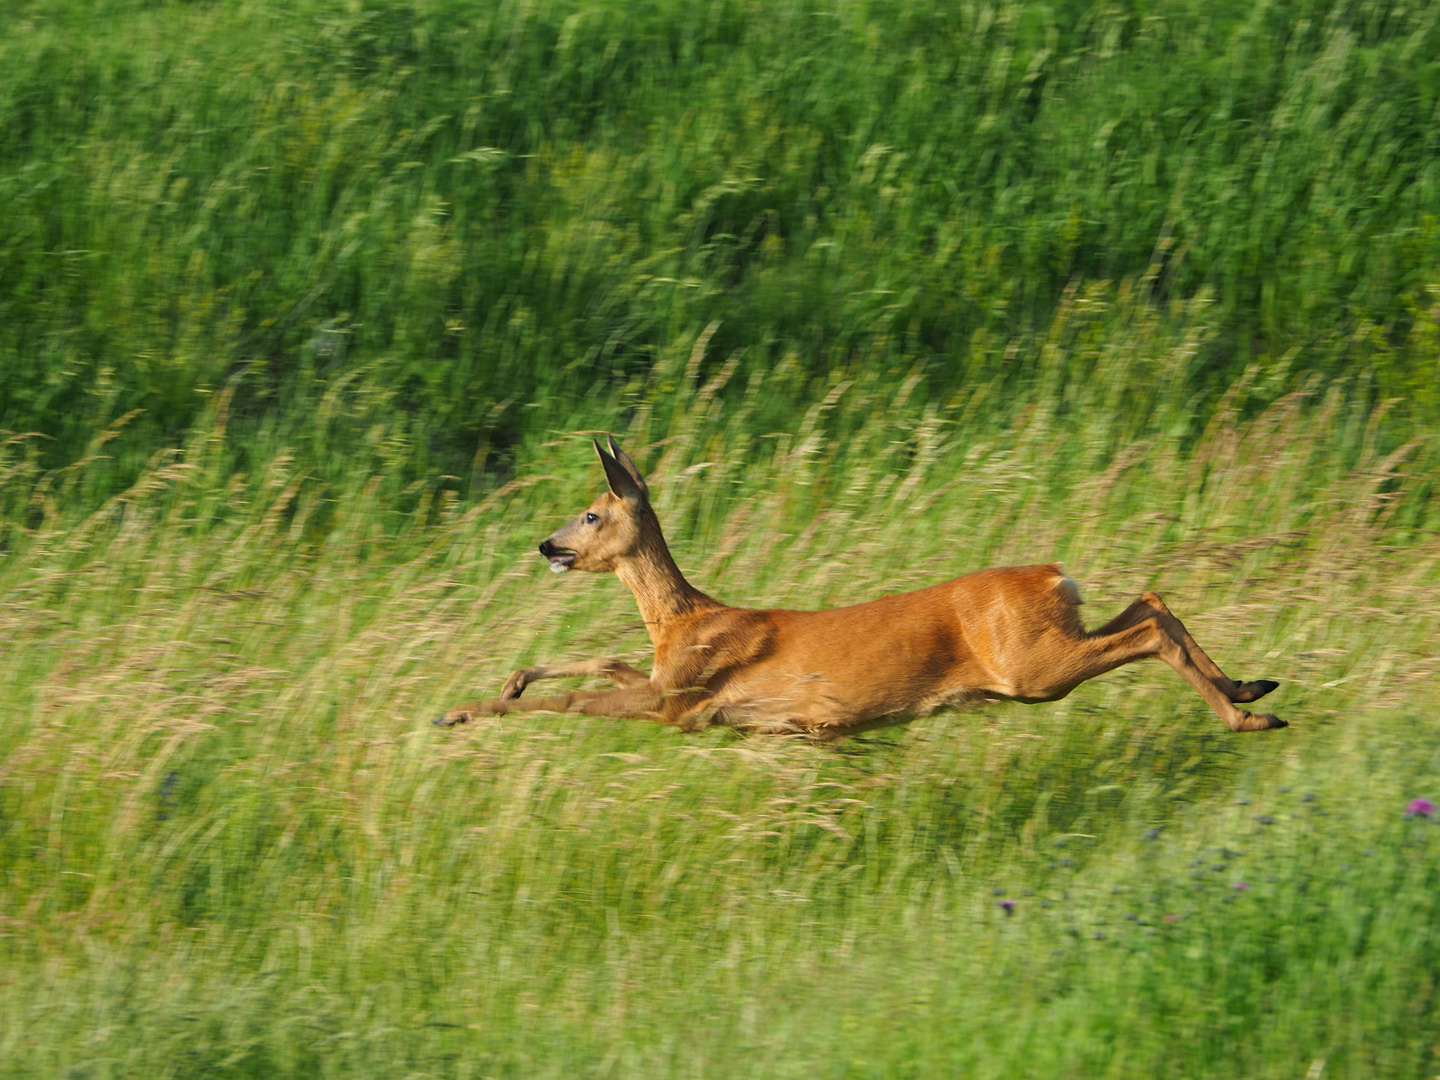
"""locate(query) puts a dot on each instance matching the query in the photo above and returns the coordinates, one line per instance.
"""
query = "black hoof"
(443, 720)
(1254, 691)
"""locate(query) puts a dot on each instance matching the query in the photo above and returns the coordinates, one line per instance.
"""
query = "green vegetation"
(877, 294)
(499, 219)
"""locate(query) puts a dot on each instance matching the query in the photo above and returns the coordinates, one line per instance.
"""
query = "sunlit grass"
(234, 845)
(307, 315)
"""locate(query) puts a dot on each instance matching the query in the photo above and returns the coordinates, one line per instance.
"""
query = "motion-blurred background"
(307, 312)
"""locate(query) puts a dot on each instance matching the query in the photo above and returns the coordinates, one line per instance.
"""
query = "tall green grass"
(307, 314)
(497, 215)
(234, 846)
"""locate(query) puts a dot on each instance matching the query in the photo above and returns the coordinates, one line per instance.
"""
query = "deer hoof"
(1254, 691)
(450, 719)
(515, 685)
(1258, 722)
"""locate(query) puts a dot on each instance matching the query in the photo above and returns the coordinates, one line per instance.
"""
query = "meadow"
(307, 316)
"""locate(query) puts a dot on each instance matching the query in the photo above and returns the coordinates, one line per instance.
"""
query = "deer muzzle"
(561, 559)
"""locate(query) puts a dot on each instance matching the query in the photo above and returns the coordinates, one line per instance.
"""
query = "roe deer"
(1012, 632)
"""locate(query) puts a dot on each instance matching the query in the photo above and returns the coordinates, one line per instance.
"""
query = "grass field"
(374, 275)
(235, 846)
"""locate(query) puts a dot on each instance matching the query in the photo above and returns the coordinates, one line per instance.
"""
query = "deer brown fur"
(1011, 632)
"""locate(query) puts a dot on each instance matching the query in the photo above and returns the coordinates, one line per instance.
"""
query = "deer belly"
(823, 698)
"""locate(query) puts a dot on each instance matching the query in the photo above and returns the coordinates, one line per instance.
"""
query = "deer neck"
(661, 591)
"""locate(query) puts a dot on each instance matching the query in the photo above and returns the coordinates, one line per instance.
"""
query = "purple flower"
(1241, 886)
(1420, 808)
(1008, 905)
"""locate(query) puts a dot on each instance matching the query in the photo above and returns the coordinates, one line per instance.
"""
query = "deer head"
(615, 527)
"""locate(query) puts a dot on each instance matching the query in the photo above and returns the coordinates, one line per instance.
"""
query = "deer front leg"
(635, 702)
(621, 673)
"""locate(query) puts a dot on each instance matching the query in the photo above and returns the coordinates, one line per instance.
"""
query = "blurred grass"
(501, 219)
(234, 846)
(306, 315)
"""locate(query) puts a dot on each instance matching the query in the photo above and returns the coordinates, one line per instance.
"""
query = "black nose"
(547, 548)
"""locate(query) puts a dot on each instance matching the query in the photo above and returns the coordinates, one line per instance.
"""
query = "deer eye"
(590, 519)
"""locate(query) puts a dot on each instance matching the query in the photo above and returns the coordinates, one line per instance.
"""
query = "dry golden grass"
(227, 813)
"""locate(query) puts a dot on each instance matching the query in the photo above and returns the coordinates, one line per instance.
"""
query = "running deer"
(1012, 632)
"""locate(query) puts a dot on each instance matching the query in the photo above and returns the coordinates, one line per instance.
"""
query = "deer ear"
(622, 484)
(629, 466)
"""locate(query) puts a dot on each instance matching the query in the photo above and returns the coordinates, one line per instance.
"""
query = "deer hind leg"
(1147, 628)
(619, 672)
(1151, 606)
